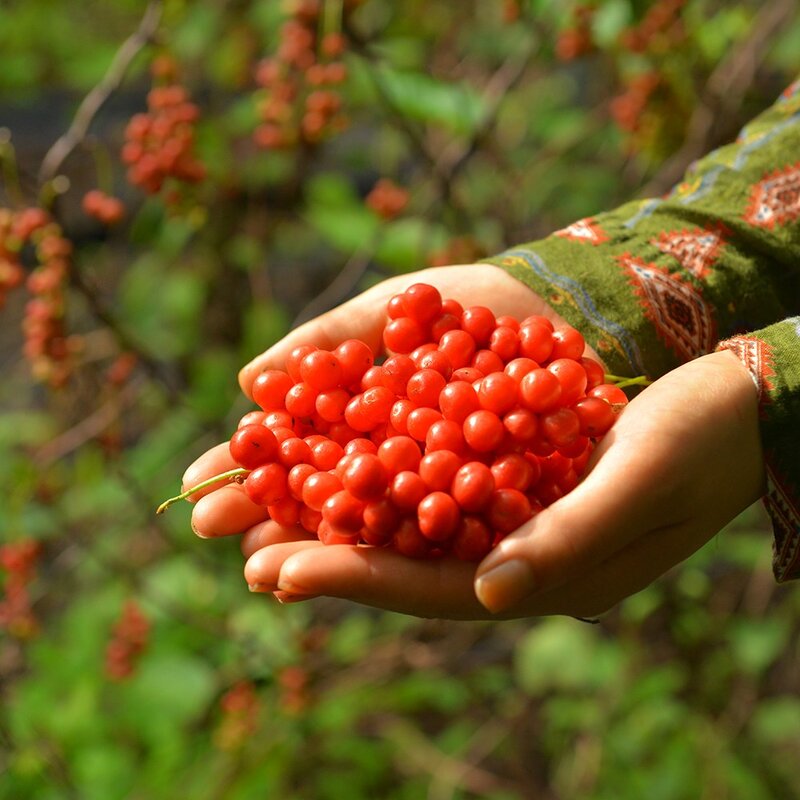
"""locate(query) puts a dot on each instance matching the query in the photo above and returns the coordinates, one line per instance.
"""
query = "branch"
(726, 84)
(94, 101)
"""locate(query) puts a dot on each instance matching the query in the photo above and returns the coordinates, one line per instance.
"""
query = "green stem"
(622, 382)
(231, 473)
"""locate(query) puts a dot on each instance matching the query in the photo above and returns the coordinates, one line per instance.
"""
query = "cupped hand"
(683, 460)
(226, 509)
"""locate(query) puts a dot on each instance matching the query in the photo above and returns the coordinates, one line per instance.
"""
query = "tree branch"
(94, 101)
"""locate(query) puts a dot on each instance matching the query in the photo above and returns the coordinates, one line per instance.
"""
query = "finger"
(225, 512)
(665, 462)
(627, 572)
(213, 462)
(268, 533)
(375, 577)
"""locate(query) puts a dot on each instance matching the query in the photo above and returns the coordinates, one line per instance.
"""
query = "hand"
(682, 461)
(225, 510)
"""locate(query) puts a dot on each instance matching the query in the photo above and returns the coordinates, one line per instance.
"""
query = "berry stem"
(230, 474)
(622, 382)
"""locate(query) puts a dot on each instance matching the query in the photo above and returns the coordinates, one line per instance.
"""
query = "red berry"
(472, 486)
(292, 451)
(505, 342)
(478, 322)
(297, 477)
(398, 454)
(472, 540)
(513, 471)
(406, 490)
(267, 484)
(270, 388)
(365, 476)
(572, 377)
(422, 303)
(438, 516)
(610, 393)
(458, 400)
(498, 392)
(402, 335)
(438, 468)
(508, 509)
(567, 343)
(518, 368)
(535, 341)
(330, 404)
(459, 347)
(522, 424)
(343, 510)
(483, 430)
(424, 386)
(253, 445)
(355, 358)
(409, 541)
(397, 369)
(561, 427)
(321, 370)
(445, 434)
(596, 416)
(294, 359)
(419, 422)
(381, 520)
(318, 488)
(540, 390)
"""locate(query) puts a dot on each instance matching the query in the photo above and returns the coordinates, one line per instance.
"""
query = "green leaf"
(755, 644)
(455, 106)
(777, 720)
(565, 654)
(404, 243)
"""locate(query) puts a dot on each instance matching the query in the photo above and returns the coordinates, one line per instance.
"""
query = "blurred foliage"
(503, 121)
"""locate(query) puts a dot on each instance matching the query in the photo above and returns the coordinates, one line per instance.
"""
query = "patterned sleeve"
(657, 282)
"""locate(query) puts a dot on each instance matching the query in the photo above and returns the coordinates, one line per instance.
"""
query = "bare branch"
(726, 84)
(94, 101)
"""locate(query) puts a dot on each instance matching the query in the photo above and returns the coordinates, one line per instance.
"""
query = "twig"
(89, 427)
(94, 101)
(726, 84)
(338, 289)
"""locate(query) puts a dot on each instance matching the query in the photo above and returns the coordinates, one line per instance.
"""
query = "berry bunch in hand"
(470, 426)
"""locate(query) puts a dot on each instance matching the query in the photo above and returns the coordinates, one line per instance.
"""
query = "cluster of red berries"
(18, 562)
(387, 199)
(129, 638)
(47, 347)
(293, 683)
(661, 28)
(12, 274)
(240, 711)
(160, 144)
(470, 426)
(103, 207)
(627, 108)
(300, 100)
(576, 39)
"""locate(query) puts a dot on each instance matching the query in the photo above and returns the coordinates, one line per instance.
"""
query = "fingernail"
(505, 585)
(286, 598)
(259, 587)
(197, 532)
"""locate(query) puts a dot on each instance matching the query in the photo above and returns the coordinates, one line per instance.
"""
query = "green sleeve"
(658, 282)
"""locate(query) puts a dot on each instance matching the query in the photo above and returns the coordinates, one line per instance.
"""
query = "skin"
(682, 461)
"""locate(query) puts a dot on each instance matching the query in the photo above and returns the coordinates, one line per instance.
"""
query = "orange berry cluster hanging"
(129, 639)
(659, 30)
(160, 143)
(103, 207)
(240, 708)
(18, 563)
(627, 108)
(576, 39)
(300, 100)
(387, 199)
(47, 346)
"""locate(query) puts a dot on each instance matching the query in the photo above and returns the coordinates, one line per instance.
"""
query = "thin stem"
(621, 382)
(231, 473)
